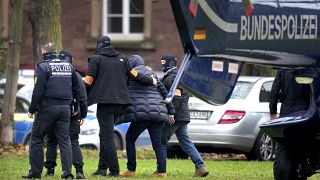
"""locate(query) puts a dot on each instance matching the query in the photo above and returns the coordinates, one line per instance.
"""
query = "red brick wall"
(75, 18)
(165, 35)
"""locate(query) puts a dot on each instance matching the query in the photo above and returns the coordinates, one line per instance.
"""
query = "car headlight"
(88, 131)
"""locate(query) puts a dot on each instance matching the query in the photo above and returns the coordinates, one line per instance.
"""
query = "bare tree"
(2, 50)
(1, 10)
(46, 25)
(12, 65)
(2, 61)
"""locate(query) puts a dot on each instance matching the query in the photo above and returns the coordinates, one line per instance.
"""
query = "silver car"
(234, 126)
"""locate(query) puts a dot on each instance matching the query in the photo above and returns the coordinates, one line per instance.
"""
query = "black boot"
(113, 175)
(69, 176)
(79, 174)
(31, 176)
(100, 172)
(50, 172)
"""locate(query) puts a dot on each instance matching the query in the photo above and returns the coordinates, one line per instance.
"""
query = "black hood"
(50, 56)
(107, 51)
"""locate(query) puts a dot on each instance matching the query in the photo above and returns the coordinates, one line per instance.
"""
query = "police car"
(22, 123)
(89, 134)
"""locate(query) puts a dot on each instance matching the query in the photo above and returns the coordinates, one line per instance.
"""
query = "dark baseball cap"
(103, 41)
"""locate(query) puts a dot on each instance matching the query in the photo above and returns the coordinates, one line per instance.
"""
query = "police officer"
(55, 89)
(107, 78)
(182, 117)
(294, 97)
(75, 123)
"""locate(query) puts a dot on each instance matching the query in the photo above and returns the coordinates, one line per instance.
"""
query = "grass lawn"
(12, 165)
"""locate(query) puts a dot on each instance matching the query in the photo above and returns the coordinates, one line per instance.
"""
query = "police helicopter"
(219, 37)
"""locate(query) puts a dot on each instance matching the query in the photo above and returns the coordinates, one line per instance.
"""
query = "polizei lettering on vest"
(278, 27)
(60, 68)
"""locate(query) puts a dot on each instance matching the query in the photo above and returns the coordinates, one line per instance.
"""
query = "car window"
(22, 106)
(265, 91)
(241, 90)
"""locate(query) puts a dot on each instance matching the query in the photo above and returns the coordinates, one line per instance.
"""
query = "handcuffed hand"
(81, 121)
(155, 82)
(171, 119)
(74, 113)
(30, 115)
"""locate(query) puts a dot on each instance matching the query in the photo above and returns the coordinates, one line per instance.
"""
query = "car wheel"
(171, 154)
(182, 155)
(263, 149)
(118, 141)
(88, 146)
(176, 153)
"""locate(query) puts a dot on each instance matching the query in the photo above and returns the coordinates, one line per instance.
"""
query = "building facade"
(144, 27)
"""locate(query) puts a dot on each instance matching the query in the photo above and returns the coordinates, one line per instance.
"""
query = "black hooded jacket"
(294, 97)
(147, 101)
(110, 72)
(83, 107)
(180, 101)
(56, 84)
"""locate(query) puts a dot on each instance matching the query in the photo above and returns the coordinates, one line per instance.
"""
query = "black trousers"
(107, 114)
(55, 118)
(285, 163)
(51, 154)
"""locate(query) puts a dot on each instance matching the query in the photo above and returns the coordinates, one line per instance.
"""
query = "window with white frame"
(123, 20)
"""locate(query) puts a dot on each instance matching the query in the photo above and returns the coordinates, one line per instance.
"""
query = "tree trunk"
(2, 60)
(45, 19)
(2, 50)
(13, 60)
(1, 23)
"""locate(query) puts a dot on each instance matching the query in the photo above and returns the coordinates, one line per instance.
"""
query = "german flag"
(193, 5)
(247, 4)
(200, 34)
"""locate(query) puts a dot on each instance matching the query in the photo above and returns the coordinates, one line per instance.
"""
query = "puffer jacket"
(147, 101)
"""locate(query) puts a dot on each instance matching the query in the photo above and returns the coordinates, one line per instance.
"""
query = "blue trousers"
(135, 129)
(180, 128)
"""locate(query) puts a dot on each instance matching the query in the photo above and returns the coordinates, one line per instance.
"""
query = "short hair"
(48, 48)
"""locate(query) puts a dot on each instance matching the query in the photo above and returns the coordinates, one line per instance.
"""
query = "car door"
(22, 123)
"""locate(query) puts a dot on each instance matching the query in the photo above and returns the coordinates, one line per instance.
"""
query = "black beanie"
(103, 41)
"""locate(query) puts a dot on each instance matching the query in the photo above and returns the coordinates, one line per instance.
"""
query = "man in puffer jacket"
(182, 117)
(148, 111)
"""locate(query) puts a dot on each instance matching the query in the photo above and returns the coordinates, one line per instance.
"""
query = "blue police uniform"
(56, 87)
(74, 129)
